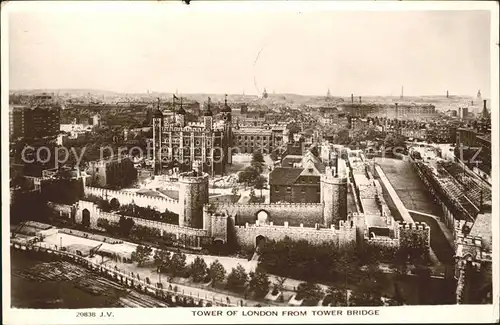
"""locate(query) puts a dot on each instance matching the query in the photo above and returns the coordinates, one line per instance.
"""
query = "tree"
(252, 195)
(248, 175)
(260, 183)
(336, 297)
(237, 279)
(141, 254)
(314, 150)
(394, 142)
(126, 225)
(161, 259)
(342, 136)
(369, 290)
(424, 277)
(309, 292)
(177, 264)
(198, 269)
(259, 283)
(258, 161)
(234, 192)
(217, 272)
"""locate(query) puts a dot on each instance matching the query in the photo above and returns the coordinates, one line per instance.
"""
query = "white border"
(436, 314)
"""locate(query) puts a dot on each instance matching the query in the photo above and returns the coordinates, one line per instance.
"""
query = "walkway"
(197, 290)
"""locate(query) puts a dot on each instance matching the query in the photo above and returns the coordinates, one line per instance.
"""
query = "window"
(303, 190)
(288, 189)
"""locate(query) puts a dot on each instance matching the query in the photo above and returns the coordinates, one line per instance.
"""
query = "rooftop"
(284, 176)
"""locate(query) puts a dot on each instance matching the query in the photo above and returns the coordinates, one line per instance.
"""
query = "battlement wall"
(412, 234)
(95, 213)
(295, 214)
(382, 242)
(247, 235)
(159, 203)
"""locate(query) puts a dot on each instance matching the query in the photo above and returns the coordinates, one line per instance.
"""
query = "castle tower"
(208, 116)
(334, 194)
(193, 195)
(228, 130)
(180, 116)
(157, 132)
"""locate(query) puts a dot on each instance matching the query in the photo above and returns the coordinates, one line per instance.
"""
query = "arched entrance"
(218, 246)
(259, 240)
(262, 217)
(86, 218)
(114, 204)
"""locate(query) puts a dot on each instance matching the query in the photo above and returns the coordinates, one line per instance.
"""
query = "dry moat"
(44, 283)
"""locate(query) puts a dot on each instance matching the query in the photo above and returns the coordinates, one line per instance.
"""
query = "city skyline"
(426, 52)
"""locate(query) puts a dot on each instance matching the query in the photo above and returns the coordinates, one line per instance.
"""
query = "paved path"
(201, 290)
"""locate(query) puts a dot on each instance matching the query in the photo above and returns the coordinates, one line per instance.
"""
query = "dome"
(157, 114)
(226, 109)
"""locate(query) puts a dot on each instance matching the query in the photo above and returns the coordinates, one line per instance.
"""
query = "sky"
(161, 49)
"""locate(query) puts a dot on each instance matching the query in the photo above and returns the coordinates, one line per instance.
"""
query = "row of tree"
(174, 264)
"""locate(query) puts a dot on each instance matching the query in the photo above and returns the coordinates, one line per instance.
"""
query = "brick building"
(297, 180)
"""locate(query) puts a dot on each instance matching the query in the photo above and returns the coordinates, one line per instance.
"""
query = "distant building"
(414, 133)
(36, 121)
(463, 113)
(263, 139)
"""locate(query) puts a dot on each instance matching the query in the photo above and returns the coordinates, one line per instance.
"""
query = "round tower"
(193, 195)
(333, 196)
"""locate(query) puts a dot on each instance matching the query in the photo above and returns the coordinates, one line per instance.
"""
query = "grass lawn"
(410, 189)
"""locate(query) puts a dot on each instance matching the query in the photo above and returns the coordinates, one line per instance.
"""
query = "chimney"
(360, 99)
(352, 98)
(484, 104)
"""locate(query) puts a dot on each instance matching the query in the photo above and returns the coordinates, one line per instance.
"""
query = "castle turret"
(180, 116)
(334, 194)
(193, 195)
(208, 116)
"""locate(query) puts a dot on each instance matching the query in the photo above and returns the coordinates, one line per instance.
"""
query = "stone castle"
(202, 223)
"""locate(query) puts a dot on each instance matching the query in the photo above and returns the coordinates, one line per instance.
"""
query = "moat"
(42, 282)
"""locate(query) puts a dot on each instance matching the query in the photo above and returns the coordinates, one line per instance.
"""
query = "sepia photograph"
(280, 161)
